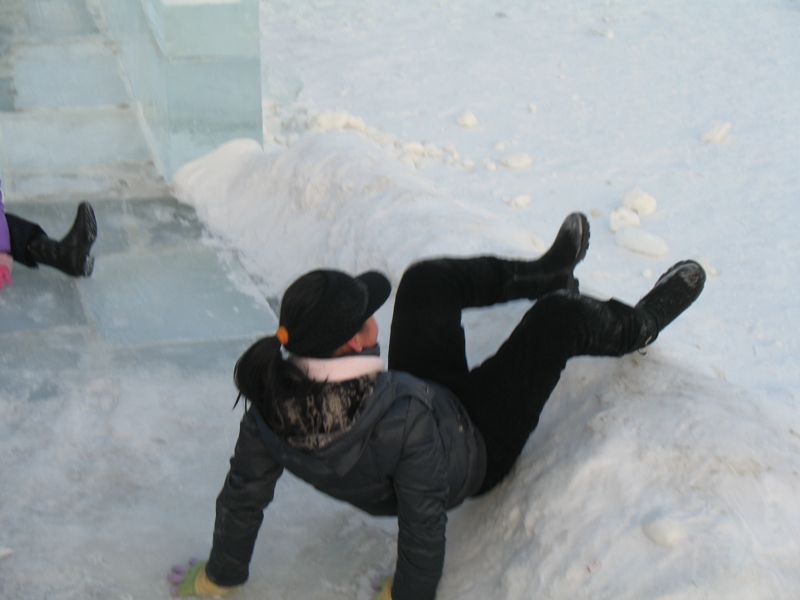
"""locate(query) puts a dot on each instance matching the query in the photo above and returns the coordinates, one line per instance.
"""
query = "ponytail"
(255, 370)
(263, 377)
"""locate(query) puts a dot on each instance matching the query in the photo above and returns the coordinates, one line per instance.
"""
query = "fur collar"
(346, 383)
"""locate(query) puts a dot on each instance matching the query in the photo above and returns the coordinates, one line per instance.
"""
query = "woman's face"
(368, 336)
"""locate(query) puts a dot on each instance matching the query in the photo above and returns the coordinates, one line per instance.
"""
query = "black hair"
(266, 379)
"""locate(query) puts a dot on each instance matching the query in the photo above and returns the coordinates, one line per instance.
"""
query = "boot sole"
(570, 245)
(87, 211)
(583, 247)
(692, 274)
(669, 297)
(576, 224)
(88, 266)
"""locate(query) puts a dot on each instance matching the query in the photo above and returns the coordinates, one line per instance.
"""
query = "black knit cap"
(325, 308)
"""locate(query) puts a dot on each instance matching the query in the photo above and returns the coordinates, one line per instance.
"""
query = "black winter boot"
(553, 270)
(569, 247)
(71, 254)
(672, 294)
(576, 325)
(599, 328)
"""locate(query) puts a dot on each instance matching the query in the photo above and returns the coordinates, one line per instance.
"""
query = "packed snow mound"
(605, 490)
(343, 201)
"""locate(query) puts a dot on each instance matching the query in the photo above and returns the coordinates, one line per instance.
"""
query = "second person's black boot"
(672, 294)
(613, 328)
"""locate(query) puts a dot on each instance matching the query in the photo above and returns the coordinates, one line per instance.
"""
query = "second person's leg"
(427, 338)
(506, 394)
(22, 231)
(31, 246)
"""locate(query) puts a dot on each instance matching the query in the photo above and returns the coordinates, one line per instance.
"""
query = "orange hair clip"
(283, 335)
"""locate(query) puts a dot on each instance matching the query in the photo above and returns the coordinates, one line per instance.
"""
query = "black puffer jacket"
(412, 453)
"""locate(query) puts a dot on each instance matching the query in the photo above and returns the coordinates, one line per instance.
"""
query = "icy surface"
(176, 294)
(83, 73)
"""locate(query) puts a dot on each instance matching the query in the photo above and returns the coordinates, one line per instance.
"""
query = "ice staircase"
(162, 292)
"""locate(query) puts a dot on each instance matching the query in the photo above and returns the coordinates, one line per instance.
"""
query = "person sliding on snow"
(419, 438)
(26, 243)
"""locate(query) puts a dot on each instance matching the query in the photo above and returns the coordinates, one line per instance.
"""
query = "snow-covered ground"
(396, 131)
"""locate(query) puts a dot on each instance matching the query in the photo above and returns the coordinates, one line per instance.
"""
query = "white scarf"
(342, 368)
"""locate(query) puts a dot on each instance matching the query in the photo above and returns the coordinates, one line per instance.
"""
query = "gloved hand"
(5, 276)
(384, 588)
(191, 580)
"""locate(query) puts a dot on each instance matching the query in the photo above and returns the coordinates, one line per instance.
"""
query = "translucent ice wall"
(194, 67)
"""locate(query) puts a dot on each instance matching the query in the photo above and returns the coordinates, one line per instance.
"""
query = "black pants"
(21, 233)
(505, 395)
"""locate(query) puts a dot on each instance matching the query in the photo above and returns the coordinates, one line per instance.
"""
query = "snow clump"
(333, 120)
(519, 201)
(717, 134)
(638, 240)
(517, 162)
(639, 202)
(625, 223)
(467, 120)
(623, 217)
